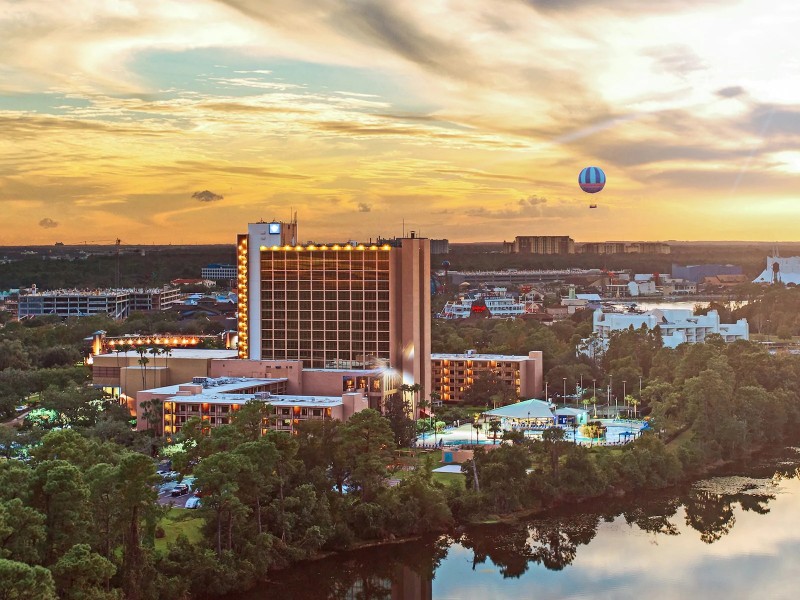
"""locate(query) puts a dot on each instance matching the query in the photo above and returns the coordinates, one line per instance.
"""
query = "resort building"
(335, 306)
(215, 401)
(440, 246)
(677, 326)
(453, 374)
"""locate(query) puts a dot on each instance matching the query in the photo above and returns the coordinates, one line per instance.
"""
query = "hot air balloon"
(592, 180)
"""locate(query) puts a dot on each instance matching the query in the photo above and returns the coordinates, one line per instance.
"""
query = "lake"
(735, 535)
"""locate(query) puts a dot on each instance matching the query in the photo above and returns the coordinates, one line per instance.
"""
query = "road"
(165, 490)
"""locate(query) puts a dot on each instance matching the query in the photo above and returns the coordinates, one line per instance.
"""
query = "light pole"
(624, 397)
(546, 398)
(594, 396)
(640, 387)
(565, 391)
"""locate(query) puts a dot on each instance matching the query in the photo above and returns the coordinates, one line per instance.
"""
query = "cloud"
(731, 91)
(48, 223)
(207, 196)
(364, 207)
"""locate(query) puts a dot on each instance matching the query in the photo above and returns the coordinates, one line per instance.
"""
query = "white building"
(781, 270)
(216, 271)
(677, 326)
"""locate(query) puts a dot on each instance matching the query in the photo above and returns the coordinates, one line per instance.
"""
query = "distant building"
(216, 272)
(116, 303)
(440, 246)
(204, 282)
(698, 273)
(540, 244)
(603, 248)
(677, 326)
(784, 270)
(723, 281)
(647, 248)
(453, 374)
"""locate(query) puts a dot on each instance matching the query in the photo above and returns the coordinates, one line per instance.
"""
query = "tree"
(553, 438)
(368, 447)
(494, 428)
(489, 388)
(19, 581)
(136, 480)
(252, 418)
(80, 574)
(396, 410)
(143, 361)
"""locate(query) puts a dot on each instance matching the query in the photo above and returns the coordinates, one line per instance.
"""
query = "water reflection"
(612, 547)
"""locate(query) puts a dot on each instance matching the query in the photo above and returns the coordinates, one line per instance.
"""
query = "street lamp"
(546, 398)
(565, 391)
(624, 396)
(640, 387)
(594, 396)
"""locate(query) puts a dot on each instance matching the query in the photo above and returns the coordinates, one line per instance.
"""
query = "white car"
(193, 502)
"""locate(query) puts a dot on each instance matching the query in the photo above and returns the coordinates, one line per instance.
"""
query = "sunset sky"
(182, 120)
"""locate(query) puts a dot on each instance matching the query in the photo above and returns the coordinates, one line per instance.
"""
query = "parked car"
(180, 490)
(193, 502)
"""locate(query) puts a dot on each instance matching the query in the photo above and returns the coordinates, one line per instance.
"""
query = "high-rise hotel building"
(348, 305)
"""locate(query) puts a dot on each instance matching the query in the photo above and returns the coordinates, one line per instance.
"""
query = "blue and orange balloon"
(592, 180)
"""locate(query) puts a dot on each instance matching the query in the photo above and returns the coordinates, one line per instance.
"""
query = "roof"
(219, 385)
(505, 357)
(278, 401)
(177, 353)
(527, 409)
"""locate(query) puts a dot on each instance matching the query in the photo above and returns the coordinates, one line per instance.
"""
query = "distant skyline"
(180, 122)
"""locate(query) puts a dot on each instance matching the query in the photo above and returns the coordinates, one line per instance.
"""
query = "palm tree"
(494, 428)
(143, 360)
(634, 404)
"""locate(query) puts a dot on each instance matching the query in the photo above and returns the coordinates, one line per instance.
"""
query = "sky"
(180, 122)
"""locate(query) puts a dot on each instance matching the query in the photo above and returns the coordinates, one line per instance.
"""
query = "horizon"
(178, 123)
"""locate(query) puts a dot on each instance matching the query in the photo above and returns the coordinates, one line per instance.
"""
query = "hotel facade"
(335, 306)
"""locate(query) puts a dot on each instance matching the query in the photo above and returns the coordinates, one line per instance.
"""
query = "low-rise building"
(216, 400)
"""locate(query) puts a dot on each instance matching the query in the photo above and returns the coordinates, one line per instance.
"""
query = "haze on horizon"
(180, 122)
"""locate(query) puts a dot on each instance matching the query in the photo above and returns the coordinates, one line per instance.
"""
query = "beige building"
(335, 306)
(216, 400)
(453, 374)
(124, 376)
(540, 244)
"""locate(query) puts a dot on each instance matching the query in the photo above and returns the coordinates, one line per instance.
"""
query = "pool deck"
(465, 434)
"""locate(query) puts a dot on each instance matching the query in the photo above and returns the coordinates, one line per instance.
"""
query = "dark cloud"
(731, 91)
(48, 223)
(207, 196)
(364, 207)
(525, 208)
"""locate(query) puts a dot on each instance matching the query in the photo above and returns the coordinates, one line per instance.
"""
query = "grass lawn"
(445, 478)
(179, 521)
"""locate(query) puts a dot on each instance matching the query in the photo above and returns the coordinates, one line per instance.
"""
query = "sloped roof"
(533, 409)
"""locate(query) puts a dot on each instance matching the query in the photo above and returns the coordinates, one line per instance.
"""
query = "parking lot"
(166, 498)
